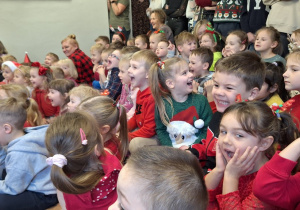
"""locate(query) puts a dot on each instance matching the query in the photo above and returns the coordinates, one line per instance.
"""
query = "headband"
(211, 30)
(119, 32)
(159, 32)
(161, 65)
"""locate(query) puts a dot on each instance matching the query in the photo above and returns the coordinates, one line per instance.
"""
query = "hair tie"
(211, 30)
(282, 107)
(161, 65)
(244, 42)
(275, 63)
(58, 160)
(84, 141)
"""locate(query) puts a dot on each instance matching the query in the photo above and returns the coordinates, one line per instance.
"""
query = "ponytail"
(123, 135)
(34, 116)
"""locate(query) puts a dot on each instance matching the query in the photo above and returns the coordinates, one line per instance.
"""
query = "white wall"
(38, 27)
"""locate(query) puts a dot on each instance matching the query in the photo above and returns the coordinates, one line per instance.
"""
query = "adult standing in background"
(285, 17)
(157, 20)
(139, 17)
(175, 11)
(82, 62)
(118, 17)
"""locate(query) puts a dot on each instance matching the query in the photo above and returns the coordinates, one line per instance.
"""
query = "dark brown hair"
(205, 54)
(83, 170)
(63, 86)
(242, 35)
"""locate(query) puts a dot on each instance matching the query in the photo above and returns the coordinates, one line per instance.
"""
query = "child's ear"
(253, 93)
(273, 88)
(243, 47)
(66, 95)
(170, 83)
(104, 129)
(205, 65)
(7, 128)
(274, 44)
(265, 143)
(179, 48)
(97, 151)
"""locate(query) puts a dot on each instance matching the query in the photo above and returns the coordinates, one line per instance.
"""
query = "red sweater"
(275, 185)
(113, 145)
(294, 110)
(104, 194)
(45, 107)
(143, 118)
(241, 199)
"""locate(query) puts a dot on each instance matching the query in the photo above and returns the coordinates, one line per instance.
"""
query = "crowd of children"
(168, 112)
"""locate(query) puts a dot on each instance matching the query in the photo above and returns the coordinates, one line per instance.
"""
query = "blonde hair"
(146, 56)
(184, 37)
(167, 178)
(72, 68)
(98, 47)
(9, 58)
(25, 71)
(105, 111)
(13, 111)
(160, 36)
(157, 78)
(57, 72)
(54, 56)
(21, 93)
(83, 170)
(198, 25)
(84, 92)
(72, 40)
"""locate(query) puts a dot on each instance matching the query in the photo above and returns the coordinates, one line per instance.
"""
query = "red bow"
(42, 69)
(161, 65)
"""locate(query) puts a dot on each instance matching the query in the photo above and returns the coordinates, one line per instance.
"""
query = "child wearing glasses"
(114, 85)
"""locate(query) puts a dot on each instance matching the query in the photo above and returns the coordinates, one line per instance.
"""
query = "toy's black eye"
(182, 137)
(175, 136)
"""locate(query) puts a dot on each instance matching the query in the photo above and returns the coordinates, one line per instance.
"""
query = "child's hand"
(101, 70)
(241, 165)
(195, 86)
(184, 147)
(95, 67)
(227, 53)
(220, 160)
(251, 37)
(208, 86)
(171, 46)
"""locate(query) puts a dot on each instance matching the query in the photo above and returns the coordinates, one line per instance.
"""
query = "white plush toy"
(183, 133)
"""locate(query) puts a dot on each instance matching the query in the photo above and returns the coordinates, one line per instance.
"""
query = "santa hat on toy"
(190, 116)
(11, 65)
(26, 59)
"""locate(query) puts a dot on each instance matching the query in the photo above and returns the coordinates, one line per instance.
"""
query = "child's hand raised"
(220, 160)
(195, 86)
(241, 165)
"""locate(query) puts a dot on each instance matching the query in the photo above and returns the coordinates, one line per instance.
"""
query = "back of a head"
(117, 45)
(245, 65)
(9, 58)
(13, 112)
(84, 92)
(168, 178)
(129, 50)
(83, 170)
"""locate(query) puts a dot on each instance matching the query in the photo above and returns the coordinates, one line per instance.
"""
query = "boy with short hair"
(185, 43)
(200, 61)
(51, 59)
(104, 40)
(237, 78)
(27, 183)
(161, 178)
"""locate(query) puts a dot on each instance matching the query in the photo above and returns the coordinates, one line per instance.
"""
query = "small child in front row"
(236, 41)
(8, 68)
(82, 169)
(150, 176)
(162, 50)
(142, 125)
(178, 109)
(272, 90)
(110, 120)
(25, 183)
(291, 80)
(238, 77)
(79, 94)
(22, 77)
(200, 61)
(185, 43)
(40, 77)
(248, 131)
(19, 92)
(59, 94)
(267, 43)
(128, 94)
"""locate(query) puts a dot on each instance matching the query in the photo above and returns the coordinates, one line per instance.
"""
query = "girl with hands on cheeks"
(248, 131)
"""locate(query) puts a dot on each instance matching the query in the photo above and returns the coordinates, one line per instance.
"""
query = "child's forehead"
(163, 44)
(228, 78)
(6, 68)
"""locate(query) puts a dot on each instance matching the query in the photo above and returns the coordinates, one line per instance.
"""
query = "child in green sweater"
(181, 117)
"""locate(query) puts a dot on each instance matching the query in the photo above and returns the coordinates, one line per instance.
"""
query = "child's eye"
(223, 132)
(239, 135)
(229, 88)
(216, 85)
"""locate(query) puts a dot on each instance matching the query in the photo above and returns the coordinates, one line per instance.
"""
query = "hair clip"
(244, 42)
(238, 98)
(42, 70)
(159, 32)
(275, 63)
(35, 64)
(58, 160)
(105, 92)
(161, 65)
(282, 107)
(84, 141)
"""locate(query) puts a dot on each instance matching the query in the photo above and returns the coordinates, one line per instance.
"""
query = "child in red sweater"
(40, 77)
(247, 133)
(82, 169)
(142, 124)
